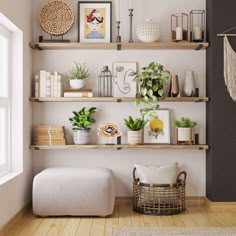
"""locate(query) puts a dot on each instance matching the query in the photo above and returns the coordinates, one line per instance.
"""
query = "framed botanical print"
(123, 74)
(95, 21)
(157, 129)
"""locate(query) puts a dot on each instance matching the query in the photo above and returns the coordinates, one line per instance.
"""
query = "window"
(5, 43)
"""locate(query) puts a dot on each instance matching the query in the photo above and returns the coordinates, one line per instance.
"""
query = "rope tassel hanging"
(230, 68)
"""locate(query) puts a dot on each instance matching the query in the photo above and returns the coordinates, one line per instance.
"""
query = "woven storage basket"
(151, 199)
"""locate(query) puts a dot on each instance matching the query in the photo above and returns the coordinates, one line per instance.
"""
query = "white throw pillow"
(164, 174)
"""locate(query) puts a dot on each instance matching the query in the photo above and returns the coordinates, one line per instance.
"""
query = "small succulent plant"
(79, 71)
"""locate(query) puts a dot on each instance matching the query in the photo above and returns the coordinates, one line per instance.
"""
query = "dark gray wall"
(221, 110)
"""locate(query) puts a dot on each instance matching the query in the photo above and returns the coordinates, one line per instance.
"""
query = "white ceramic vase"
(77, 83)
(135, 137)
(189, 84)
(149, 32)
(81, 137)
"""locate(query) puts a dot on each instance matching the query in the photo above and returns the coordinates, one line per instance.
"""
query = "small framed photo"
(158, 128)
(95, 21)
(123, 74)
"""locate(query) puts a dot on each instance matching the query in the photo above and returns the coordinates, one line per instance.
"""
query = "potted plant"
(152, 81)
(81, 122)
(135, 127)
(77, 75)
(184, 130)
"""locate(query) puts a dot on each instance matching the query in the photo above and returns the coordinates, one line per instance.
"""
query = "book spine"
(78, 95)
(36, 86)
(59, 86)
(48, 85)
(42, 83)
(55, 84)
(52, 85)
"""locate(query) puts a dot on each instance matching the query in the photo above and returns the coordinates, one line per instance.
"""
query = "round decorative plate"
(56, 18)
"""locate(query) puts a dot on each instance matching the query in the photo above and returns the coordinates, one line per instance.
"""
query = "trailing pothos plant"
(82, 119)
(135, 124)
(152, 81)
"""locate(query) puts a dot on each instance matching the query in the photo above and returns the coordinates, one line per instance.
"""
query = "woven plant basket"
(56, 17)
(151, 199)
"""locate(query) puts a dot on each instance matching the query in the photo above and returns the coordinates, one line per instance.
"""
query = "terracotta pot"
(135, 137)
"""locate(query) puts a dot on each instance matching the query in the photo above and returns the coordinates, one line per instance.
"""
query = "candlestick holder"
(131, 25)
(118, 37)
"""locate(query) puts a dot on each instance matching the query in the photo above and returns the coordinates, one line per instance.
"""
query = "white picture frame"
(151, 134)
(123, 85)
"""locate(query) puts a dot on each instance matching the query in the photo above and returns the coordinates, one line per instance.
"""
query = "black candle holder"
(131, 25)
(118, 37)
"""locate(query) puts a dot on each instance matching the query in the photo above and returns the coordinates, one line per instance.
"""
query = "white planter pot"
(81, 137)
(77, 83)
(135, 137)
(185, 135)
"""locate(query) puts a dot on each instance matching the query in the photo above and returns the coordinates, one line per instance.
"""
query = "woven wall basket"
(56, 17)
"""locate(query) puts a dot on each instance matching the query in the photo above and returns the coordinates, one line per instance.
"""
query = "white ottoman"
(74, 191)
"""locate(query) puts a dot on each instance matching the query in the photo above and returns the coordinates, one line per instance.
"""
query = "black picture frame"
(82, 5)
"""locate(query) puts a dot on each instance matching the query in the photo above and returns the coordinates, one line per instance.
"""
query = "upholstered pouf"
(74, 191)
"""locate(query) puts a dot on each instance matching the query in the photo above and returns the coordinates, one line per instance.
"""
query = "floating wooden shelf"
(122, 146)
(113, 99)
(119, 46)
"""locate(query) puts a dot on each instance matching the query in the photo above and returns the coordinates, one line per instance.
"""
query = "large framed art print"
(95, 21)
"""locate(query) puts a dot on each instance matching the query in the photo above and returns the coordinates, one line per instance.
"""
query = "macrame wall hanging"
(229, 64)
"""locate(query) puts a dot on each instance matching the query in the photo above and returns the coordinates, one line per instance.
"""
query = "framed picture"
(123, 74)
(95, 21)
(158, 128)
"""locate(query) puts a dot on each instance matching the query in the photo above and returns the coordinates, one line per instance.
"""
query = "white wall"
(15, 194)
(121, 162)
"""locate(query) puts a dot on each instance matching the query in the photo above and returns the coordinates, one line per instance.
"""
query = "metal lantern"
(179, 27)
(105, 83)
(197, 26)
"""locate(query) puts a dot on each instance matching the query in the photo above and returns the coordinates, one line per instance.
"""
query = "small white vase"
(81, 137)
(77, 83)
(185, 135)
(189, 84)
(135, 137)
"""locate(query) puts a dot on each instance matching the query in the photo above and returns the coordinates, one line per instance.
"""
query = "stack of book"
(49, 135)
(80, 93)
(47, 84)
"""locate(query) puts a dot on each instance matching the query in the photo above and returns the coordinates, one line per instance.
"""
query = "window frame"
(5, 103)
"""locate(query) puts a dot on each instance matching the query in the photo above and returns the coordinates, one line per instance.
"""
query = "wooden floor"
(197, 215)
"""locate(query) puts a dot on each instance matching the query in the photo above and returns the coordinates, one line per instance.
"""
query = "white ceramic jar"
(148, 32)
(135, 137)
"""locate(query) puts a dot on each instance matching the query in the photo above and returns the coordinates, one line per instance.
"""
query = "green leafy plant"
(184, 123)
(135, 124)
(79, 71)
(152, 81)
(82, 119)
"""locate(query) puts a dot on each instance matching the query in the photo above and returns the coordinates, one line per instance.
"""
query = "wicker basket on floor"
(151, 199)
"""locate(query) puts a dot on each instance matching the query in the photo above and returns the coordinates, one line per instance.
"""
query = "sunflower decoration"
(156, 126)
